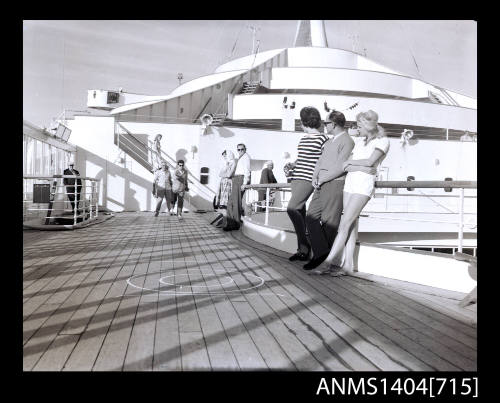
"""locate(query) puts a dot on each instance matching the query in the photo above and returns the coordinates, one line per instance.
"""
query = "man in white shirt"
(241, 178)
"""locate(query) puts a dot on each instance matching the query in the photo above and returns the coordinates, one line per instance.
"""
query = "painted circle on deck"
(229, 281)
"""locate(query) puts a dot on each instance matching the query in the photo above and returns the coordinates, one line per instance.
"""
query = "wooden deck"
(93, 301)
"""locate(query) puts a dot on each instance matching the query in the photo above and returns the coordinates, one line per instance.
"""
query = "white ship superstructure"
(256, 100)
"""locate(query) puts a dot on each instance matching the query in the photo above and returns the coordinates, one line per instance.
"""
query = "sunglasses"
(241, 149)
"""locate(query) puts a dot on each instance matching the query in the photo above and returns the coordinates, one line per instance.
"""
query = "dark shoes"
(299, 256)
(315, 262)
(156, 214)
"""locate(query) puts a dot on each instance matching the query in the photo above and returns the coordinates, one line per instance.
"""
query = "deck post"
(267, 207)
(461, 220)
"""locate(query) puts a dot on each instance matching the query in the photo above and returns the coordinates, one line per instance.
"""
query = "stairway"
(142, 153)
(132, 146)
(218, 119)
(435, 98)
(249, 87)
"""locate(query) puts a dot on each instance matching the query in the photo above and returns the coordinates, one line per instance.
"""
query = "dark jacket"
(71, 181)
(267, 176)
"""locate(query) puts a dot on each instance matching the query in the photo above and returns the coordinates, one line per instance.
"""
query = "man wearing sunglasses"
(325, 209)
(241, 177)
(179, 187)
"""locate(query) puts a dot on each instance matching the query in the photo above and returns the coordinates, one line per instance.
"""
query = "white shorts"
(360, 183)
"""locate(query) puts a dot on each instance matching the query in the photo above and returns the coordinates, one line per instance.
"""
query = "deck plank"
(369, 315)
(332, 347)
(344, 314)
(425, 321)
(102, 304)
(80, 313)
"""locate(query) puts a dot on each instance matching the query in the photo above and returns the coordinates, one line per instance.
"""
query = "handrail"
(388, 184)
(85, 206)
(461, 185)
(58, 176)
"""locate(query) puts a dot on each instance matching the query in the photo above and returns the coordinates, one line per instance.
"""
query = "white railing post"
(255, 204)
(267, 206)
(461, 220)
(75, 201)
(97, 187)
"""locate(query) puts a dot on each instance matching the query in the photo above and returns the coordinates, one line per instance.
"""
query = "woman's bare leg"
(351, 214)
(350, 247)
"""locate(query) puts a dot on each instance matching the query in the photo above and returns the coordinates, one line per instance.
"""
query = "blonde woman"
(358, 189)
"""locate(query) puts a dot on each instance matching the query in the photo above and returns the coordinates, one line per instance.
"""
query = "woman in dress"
(358, 189)
(156, 157)
(225, 187)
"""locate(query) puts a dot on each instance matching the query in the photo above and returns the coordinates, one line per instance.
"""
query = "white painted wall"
(341, 79)
(124, 186)
(364, 63)
(269, 106)
(128, 185)
(321, 57)
(420, 268)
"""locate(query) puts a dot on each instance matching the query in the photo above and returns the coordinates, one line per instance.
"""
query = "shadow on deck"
(144, 293)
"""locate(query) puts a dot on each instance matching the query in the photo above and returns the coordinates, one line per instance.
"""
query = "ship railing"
(282, 194)
(47, 198)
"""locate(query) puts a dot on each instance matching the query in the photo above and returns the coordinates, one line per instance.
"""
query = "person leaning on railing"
(359, 187)
(266, 176)
(309, 150)
(325, 208)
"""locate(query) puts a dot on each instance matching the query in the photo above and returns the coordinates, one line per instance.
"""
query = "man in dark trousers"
(325, 209)
(70, 187)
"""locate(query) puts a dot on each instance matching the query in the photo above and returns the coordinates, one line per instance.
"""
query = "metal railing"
(284, 190)
(51, 203)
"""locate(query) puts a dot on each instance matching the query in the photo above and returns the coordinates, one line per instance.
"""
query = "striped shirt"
(308, 152)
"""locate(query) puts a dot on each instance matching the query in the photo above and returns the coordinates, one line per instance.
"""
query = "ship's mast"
(310, 33)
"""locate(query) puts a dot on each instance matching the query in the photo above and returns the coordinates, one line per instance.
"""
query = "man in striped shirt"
(309, 150)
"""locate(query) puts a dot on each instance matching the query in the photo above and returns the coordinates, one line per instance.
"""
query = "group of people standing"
(166, 186)
(170, 187)
(340, 174)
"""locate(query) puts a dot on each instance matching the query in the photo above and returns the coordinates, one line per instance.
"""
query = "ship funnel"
(310, 33)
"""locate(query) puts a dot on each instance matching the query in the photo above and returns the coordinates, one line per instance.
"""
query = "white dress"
(361, 182)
